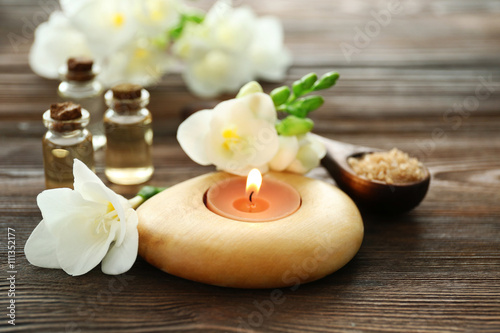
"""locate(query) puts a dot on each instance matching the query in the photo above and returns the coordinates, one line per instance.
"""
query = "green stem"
(144, 194)
(136, 201)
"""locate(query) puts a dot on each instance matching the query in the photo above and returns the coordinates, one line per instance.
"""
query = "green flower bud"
(328, 80)
(293, 125)
(303, 106)
(280, 95)
(309, 80)
(250, 88)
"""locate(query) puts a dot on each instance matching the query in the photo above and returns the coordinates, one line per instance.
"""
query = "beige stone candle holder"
(181, 236)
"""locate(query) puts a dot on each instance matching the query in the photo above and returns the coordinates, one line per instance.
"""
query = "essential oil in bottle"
(79, 85)
(129, 135)
(66, 139)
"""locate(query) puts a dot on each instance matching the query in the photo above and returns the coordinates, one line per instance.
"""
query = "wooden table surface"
(426, 80)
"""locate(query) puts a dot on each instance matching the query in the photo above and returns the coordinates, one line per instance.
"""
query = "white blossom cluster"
(131, 41)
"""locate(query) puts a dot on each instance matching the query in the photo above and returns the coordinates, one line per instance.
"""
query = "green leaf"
(280, 95)
(327, 81)
(293, 125)
(148, 191)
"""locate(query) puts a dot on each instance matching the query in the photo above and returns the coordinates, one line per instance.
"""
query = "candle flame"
(254, 181)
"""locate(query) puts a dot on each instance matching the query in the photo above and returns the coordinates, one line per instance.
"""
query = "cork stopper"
(127, 91)
(65, 111)
(80, 69)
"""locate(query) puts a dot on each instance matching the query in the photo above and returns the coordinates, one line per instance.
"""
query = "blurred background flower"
(139, 41)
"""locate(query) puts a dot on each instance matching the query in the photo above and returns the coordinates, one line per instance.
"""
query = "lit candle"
(253, 200)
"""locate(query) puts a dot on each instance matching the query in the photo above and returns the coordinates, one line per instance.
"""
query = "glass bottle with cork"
(129, 135)
(66, 139)
(79, 85)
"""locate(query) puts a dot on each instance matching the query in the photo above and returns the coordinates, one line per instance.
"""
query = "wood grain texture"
(435, 269)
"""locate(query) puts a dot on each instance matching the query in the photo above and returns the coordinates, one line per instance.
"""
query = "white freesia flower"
(156, 17)
(236, 136)
(140, 62)
(309, 154)
(84, 226)
(298, 154)
(231, 47)
(289, 147)
(55, 41)
(215, 52)
(107, 25)
(270, 58)
(216, 72)
(130, 40)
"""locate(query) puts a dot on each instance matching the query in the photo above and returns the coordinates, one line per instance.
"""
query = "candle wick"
(250, 197)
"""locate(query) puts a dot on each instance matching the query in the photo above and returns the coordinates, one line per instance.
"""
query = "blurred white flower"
(140, 62)
(107, 25)
(270, 58)
(137, 40)
(156, 17)
(55, 41)
(231, 47)
(236, 136)
(216, 72)
(84, 226)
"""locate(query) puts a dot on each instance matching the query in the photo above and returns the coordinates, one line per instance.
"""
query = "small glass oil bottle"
(66, 139)
(80, 86)
(129, 135)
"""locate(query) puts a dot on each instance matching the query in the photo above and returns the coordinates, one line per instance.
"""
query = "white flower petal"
(269, 56)
(192, 133)
(81, 246)
(156, 16)
(262, 106)
(316, 145)
(217, 71)
(140, 61)
(119, 204)
(289, 146)
(242, 133)
(121, 258)
(231, 29)
(310, 153)
(84, 175)
(112, 24)
(55, 41)
(40, 248)
(61, 206)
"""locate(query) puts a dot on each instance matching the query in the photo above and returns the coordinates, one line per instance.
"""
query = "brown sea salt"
(391, 167)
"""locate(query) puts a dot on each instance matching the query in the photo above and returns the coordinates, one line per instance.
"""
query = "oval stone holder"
(181, 236)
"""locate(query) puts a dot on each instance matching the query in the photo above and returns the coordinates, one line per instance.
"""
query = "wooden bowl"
(371, 194)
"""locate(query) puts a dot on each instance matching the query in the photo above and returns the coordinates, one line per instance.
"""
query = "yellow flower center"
(141, 53)
(103, 222)
(231, 138)
(118, 20)
(110, 207)
(156, 15)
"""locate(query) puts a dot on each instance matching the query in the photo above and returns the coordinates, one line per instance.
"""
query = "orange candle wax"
(242, 200)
